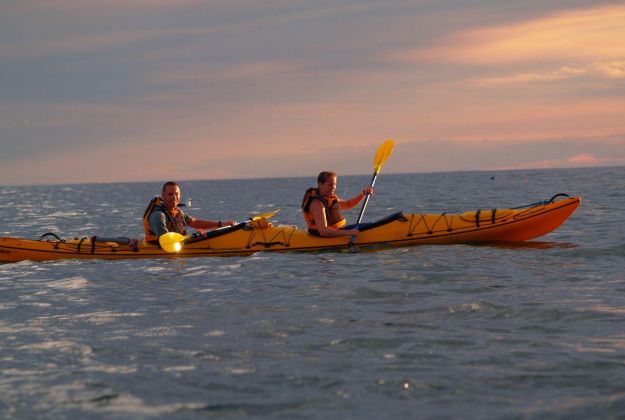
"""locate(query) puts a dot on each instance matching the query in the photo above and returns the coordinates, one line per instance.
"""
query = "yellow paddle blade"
(171, 241)
(264, 215)
(384, 151)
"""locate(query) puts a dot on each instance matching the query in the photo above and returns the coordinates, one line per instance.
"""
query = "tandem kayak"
(256, 235)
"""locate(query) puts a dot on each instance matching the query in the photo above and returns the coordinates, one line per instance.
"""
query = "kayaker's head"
(171, 195)
(326, 182)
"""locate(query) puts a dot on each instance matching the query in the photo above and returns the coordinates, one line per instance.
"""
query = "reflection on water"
(528, 245)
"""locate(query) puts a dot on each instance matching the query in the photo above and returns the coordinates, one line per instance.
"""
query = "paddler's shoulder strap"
(156, 201)
(311, 194)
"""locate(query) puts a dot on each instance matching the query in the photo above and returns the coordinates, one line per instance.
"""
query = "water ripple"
(493, 331)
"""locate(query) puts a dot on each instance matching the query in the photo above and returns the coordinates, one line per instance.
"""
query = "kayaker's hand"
(352, 232)
(368, 190)
(229, 222)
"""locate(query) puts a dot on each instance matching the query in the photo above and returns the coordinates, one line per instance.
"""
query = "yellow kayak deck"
(401, 229)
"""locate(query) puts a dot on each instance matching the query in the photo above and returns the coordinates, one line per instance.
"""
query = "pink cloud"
(612, 69)
(587, 159)
(593, 34)
(579, 160)
(560, 74)
(604, 70)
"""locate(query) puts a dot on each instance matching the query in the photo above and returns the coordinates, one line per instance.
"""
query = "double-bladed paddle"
(384, 151)
(172, 241)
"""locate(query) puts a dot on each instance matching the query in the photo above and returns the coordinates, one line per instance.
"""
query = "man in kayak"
(163, 215)
(322, 208)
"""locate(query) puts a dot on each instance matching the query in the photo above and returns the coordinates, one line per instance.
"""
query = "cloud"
(594, 34)
(602, 70)
(611, 69)
(580, 160)
(560, 74)
(265, 159)
(587, 159)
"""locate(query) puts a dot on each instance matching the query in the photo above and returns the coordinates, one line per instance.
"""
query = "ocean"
(453, 331)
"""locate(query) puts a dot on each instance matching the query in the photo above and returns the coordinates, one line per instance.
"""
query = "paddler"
(322, 208)
(163, 215)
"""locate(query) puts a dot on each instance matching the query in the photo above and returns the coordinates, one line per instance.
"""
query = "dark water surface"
(457, 331)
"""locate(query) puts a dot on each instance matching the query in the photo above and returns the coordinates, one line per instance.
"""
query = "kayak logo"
(527, 213)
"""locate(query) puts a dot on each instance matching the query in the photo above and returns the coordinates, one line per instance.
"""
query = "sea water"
(455, 331)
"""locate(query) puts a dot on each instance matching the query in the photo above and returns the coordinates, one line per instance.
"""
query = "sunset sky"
(108, 91)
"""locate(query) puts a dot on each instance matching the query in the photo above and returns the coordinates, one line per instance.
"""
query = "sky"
(152, 90)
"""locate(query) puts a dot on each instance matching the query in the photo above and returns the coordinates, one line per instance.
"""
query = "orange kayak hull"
(404, 229)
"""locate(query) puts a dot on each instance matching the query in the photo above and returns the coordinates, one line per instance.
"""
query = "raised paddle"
(384, 151)
(172, 241)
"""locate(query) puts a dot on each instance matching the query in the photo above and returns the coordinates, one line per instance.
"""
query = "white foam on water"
(157, 332)
(605, 309)
(216, 333)
(88, 227)
(59, 345)
(117, 337)
(196, 273)
(71, 283)
(65, 214)
(99, 317)
(179, 368)
(613, 345)
(154, 269)
(104, 368)
(128, 403)
(47, 228)
(199, 267)
(40, 304)
(258, 256)
(466, 307)
(19, 328)
(26, 263)
(240, 371)
(186, 354)
(20, 372)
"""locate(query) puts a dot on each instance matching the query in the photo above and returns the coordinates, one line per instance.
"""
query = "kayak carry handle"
(558, 195)
(50, 234)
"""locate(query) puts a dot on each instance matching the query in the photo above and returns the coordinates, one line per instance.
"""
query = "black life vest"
(175, 222)
(334, 216)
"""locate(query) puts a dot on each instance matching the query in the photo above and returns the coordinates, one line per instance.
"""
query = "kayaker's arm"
(319, 213)
(210, 224)
(353, 202)
(158, 223)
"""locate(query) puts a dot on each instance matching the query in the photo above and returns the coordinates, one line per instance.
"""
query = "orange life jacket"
(174, 220)
(334, 217)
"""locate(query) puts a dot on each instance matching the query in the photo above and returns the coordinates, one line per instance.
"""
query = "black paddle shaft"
(364, 206)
